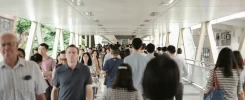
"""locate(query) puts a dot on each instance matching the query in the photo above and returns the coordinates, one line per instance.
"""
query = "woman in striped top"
(227, 73)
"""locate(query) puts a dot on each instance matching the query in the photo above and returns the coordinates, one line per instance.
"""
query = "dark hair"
(23, 51)
(90, 48)
(97, 56)
(179, 51)
(73, 46)
(63, 52)
(137, 43)
(239, 59)
(89, 58)
(57, 60)
(171, 49)
(227, 61)
(82, 49)
(36, 49)
(123, 78)
(126, 52)
(150, 48)
(37, 58)
(44, 45)
(143, 47)
(164, 49)
(159, 48)
(115, 52)
(161, 76)
(107, 49)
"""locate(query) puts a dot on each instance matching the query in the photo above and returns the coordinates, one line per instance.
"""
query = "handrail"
(200, 61)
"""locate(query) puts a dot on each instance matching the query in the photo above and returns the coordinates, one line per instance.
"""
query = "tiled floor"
(190, 92)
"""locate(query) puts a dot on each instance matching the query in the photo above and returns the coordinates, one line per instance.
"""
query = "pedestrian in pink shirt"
(48, 64)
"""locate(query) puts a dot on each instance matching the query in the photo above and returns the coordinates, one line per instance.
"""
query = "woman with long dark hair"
(228, 75)
(240, 64)
(96, 62)
(123, 88)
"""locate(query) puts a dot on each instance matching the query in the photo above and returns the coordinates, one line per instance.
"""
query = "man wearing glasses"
(20, 79)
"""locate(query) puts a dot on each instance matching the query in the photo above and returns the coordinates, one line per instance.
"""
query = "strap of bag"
(216, 80)
(113, 66)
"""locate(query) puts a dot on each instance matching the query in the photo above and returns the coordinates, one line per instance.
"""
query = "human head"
(164, 49)
(103, 49)
(87, 58)
(37, 58)
(35, 50)
(115, 52)
(43, 49)
(179, 51)
(159, 49)
(21, 53)
(150, 48)
(72, 54)
(81, 51)
(143, 47)
(137, 43)
(227, 61)
(108, 50)
(95, 53)
(171, 49)
(126, 52)
(79, 47)
(123, 78)
(9, 46)
(90, 50)
(239, 59)
(62, 57)
(161, 76)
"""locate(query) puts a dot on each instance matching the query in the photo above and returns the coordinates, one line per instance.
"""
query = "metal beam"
(213, 47)
(29, 42)
(76, 39)
(167, 39)
(90, 41)
(180, 40)
(71, 38)
(61, 41)
(200, 44)
(39, 34)
(56, 42)
(86, 39)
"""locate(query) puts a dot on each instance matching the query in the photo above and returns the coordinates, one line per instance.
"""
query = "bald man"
(20, 79)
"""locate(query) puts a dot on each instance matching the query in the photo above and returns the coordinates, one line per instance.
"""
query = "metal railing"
(198, 73)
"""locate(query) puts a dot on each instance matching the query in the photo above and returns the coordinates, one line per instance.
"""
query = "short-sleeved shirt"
(108, 66)
(138, 64)
(72, 83)
(48, 65)
(23, 82)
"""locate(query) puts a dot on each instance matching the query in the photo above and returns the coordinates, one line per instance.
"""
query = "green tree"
(48, 34)
(22, 28)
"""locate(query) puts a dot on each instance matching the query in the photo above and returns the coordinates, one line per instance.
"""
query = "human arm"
(40, 97)
(49, 73)
(89, 92)
(210, 84)
(139, 96)
(240, 89)
(54, 93)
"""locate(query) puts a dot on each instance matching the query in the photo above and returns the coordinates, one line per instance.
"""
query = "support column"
(180, 40)
(76, 39)
(241, 47)
(39, 34)
(212, 43)
(90, 41)
(200, 44)
(56, 42)
(29, 42)
(61, 41)
(86, 39)
(167, 39)
(71, 38)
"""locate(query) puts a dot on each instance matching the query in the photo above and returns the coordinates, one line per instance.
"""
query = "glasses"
(7, 44)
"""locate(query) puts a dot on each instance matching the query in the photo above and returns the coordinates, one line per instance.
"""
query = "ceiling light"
(89, 14)
(147, 20)
(142, 25)
(167, 2)
(95, 20)
(154, 13)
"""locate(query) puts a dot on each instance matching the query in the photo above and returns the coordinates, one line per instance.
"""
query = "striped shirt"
(121, 94)
(23, 82)
(230, 85)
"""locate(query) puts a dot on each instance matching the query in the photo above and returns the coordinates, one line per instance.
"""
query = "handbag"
(109, 72)
(215, 93)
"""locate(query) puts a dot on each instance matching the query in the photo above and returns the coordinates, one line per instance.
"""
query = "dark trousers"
(179, 93)
(48, 91)
(95, 91)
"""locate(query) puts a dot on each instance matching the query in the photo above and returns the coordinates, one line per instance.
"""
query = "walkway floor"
(190, 92)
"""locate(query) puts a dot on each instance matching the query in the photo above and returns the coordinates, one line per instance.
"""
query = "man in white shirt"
(138, 64)
(150, 49)
(182, 68)
(20, 79)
